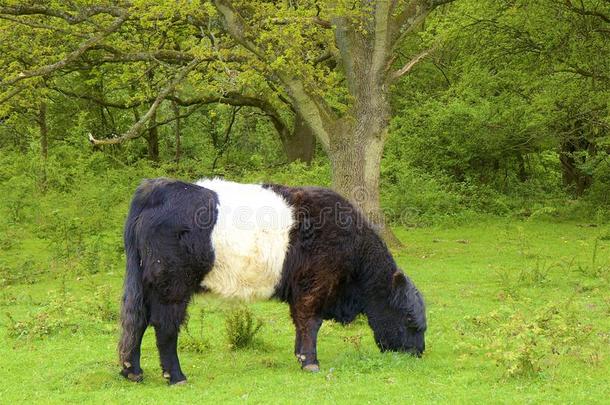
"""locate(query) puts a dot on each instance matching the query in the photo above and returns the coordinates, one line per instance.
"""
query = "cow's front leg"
(167, 320)
(306, 342)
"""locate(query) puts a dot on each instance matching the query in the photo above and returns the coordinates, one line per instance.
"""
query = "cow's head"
(400, 324)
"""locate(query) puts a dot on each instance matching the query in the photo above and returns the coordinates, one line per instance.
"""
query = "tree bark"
(152, 138)
(355, 153)
(44, 130)
(300, 145)
(177, 131)
(572, 176)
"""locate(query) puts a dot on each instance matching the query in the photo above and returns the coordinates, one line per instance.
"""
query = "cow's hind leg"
(131, 365)
(307, 324)
(167, 318)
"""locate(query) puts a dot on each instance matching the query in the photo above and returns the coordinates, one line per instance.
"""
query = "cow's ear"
(398, 296)
(399, 281)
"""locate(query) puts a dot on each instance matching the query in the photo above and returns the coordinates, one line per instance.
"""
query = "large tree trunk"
(355, 152)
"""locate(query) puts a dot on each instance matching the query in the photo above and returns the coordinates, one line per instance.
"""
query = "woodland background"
(493, 107)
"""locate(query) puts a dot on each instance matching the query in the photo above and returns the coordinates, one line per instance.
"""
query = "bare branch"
(409, 66)
(161, 54)
(177, 117)
(137, 128)
(583, 72)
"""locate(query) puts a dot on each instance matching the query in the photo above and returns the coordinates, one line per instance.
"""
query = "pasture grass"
(518, 312)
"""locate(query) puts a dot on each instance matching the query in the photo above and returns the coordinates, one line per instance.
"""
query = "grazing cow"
(306, 246)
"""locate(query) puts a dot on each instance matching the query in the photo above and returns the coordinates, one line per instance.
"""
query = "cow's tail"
(133, 310)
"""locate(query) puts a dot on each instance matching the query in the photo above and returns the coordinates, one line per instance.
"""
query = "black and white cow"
(306, 246)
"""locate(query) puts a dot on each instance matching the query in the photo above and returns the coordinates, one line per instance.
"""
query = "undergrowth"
(241, 327)
(525, 342)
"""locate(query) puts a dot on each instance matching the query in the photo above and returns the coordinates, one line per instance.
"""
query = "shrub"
(525, 343)
(194, 342)
(241, 328)
(101, 305)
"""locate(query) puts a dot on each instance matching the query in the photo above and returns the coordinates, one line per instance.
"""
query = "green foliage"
(194, 342)
(513, 107)
(25, 272)
(508, 116)
(62, 312)
(598, 267)
(241, 327)
(295, 173)
(17, 197)
(101, 304)
(56, 314)
(524, 344)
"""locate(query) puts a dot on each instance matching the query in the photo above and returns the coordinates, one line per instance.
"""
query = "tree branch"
(411, 16)
(585, 12)
(315, 20)
(237, 27)
(36, 25)
(137, 128)
(316, 112)
(225, 143)
(83, 15)
(409, 66)
(382, 37)
(16, 90)
(48, 69)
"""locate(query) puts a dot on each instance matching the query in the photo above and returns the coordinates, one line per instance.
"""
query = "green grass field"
(518, 312)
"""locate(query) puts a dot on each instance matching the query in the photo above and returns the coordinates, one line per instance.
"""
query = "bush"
(410, 197)
(241, 328)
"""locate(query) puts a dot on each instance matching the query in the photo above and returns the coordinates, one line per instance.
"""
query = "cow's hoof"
(312, 368)
(177, 383)
(131, 376)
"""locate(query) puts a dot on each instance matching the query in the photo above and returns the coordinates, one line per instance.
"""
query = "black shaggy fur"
(168, 248)
(336, 268)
